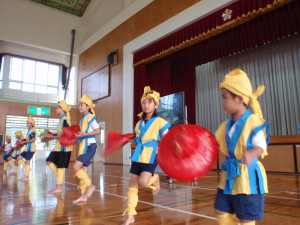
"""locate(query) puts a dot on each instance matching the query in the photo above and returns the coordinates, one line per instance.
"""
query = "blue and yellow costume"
(237, 178)
(31, 133)
(86, 120)
(6, 153)
(30, 148)
(16, 152)
(148, 134)
(17, 149)
(59, 158)
(88, 146)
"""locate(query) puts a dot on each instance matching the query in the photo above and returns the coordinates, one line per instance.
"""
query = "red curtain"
(157, 75)
(176, 72)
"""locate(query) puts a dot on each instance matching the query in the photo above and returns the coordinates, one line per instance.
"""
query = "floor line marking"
(214, 189)
(157, 205)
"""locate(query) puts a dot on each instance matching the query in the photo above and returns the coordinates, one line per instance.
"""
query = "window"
(33, 76)
(32, 80)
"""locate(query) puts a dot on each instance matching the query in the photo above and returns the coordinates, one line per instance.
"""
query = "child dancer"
(149, 130)
(6, 153)
(243, 138)
(89, 127)
(30, 147)
(59, 158)
(16, 150)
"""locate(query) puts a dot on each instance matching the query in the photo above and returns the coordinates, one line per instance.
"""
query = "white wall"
(31, 23)
(102, 18)
(42, 27)
(97, 14)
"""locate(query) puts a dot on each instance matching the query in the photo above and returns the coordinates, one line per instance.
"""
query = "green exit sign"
(38, 110)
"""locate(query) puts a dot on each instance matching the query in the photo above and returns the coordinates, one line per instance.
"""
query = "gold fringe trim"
(214, 31)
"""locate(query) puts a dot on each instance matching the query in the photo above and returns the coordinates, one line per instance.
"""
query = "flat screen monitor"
(172, 108)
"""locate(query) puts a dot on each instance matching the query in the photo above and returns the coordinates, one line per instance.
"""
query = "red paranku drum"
(68, 136)
(115, 141)
(187, 152)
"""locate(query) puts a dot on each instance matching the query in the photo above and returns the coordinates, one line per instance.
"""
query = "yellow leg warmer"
(85, 181)
(16, 169)
(250, 223)
(226, 219)
(132, 201)
(152, 181)
(53, 167)
(82, 187)
(60, 175)
(5, 166)
(22, 162)
(27, 170)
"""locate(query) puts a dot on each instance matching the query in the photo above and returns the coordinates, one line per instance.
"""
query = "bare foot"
(129, 220)
(56, 190)
(82, 198)
(157, 187)
(90, 191)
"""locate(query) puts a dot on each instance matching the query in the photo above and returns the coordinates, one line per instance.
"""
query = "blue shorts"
(246, 207)
(13, 157)
(138, 168)
(5, 157)
(86, 158)
(27, 155)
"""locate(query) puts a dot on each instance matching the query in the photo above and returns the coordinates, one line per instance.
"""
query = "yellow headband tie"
(63, 104)
(237, 82)
(8, 137)
(31, 120)
(87, 100)
(19, 133)
(148, 93)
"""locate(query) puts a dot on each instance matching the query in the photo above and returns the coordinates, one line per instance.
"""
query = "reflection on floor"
(176, 203)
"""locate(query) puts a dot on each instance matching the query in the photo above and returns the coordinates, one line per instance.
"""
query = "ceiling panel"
(76, 7)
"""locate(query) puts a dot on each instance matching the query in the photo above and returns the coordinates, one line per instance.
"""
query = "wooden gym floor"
(177, 203)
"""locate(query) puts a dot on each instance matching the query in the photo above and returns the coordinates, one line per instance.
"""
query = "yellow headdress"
(8, 137)
(63, 104)
(87, 100)
(238, 83)
(19, 133)
(31, 120)
(148, 93)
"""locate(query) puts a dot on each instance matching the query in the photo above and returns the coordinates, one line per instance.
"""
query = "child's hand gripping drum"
(19, 145)
(187, 152)
(115, 141)
(45, 138)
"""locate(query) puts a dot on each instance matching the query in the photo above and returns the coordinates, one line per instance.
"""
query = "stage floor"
(177, 203)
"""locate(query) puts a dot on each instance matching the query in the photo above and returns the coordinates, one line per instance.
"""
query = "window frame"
(34, 83)
(20, 95)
